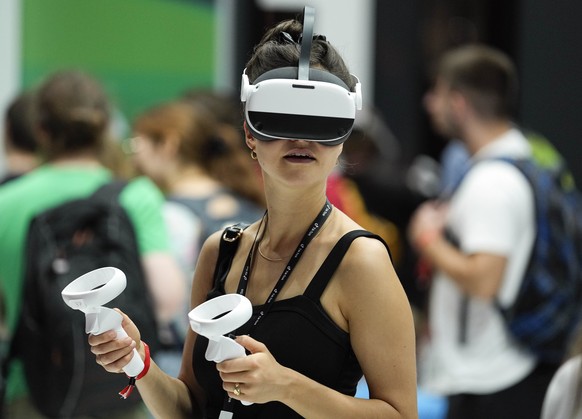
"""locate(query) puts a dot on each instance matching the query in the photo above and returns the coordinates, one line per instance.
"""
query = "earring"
(253, 155)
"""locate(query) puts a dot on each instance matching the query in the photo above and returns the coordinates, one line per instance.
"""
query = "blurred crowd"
(189, 157)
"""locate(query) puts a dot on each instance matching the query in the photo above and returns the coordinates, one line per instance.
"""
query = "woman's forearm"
(166, 396)
(313, 400)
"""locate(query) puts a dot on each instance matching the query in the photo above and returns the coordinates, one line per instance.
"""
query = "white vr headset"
(300, 103)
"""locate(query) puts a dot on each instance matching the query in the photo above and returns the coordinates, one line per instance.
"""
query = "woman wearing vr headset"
(327, 303)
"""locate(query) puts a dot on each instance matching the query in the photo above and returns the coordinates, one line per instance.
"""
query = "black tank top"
(301, 336)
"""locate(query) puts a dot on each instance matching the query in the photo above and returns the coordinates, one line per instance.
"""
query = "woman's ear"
(249, 139)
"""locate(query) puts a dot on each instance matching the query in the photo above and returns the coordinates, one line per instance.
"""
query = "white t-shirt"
(184, 228)
(561, 396)
(492, 211)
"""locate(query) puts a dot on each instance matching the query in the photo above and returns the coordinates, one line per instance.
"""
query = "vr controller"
(204, 320)
(88, 293)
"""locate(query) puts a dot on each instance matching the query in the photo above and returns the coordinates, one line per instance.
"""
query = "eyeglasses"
(132, 145)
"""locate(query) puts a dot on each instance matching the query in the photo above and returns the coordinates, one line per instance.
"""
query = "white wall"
(225, 44)
(349, 25)
(10, 34)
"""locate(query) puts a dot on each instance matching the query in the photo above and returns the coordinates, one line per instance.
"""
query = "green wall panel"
(144, 51)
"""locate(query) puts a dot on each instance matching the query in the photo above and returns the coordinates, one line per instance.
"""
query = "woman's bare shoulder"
(367, 258)
(364, 250)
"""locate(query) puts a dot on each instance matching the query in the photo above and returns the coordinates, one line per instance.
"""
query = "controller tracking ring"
(95, 288)
(203, 319)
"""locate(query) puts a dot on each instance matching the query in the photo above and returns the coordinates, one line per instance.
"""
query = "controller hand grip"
(217, 317)
(224, 349)
(135, 366)
(88, 293)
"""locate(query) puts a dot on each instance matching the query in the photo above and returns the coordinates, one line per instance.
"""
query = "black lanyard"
(323, 215)
(309, 235)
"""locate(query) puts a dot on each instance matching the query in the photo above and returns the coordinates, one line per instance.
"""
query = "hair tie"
(286, 38)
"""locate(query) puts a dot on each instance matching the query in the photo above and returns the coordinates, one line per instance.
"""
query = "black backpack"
(63, 243)
(548, 308)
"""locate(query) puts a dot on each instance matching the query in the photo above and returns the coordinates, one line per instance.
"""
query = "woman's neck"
(79, 161)
(21, 162)
(288, 220)
(191, 182)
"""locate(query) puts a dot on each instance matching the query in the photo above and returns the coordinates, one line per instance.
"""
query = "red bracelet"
(126, 392)
(146, 362)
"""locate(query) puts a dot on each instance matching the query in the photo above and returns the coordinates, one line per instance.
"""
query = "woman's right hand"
(114, 354)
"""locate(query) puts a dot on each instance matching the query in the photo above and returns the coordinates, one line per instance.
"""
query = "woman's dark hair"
(280, 47)
(223, 105)
(20, 123)
(73, 113)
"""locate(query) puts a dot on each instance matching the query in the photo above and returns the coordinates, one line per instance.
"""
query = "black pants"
(521, 401)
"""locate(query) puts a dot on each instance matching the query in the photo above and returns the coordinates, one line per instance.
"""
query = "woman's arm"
(381, 329)
(164, 395)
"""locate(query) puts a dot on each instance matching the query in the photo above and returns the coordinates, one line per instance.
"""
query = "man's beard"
(449, 127)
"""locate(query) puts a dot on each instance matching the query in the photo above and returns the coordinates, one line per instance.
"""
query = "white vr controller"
(88, 293)
(204, 321)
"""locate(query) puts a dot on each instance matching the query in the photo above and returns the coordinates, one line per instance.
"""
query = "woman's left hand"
(258, 376)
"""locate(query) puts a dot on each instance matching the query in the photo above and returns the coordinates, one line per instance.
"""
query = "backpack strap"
(109, 190)
(4, 368)
(228, 245)
(329, 266)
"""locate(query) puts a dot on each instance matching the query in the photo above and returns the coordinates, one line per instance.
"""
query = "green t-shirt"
(49, 186)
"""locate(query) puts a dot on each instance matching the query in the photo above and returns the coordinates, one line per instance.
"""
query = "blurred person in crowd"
(309, 346)
(563, 399)
(209, 182)
(20, 144)
(225, 112)
(224, 107)
(72, 118)
(114, 157)
(480, 261)
(181, 147)
(21, 156)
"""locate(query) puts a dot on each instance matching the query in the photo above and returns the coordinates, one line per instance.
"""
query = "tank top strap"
(330, 264)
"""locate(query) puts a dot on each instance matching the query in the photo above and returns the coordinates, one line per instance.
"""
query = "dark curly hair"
(280, 47)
